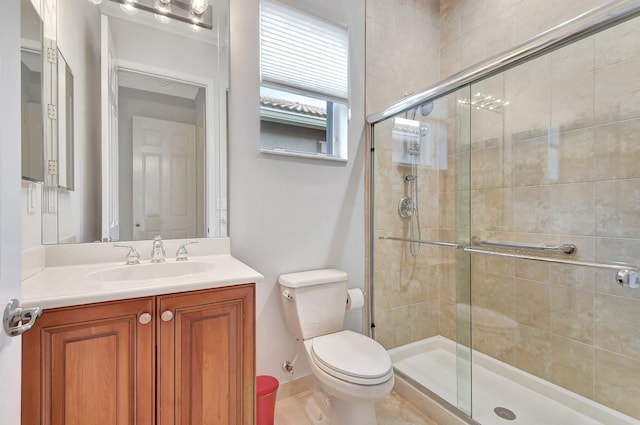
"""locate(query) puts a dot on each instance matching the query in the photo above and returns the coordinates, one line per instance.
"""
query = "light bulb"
(162, 7)
(128, 7)
(199, 6)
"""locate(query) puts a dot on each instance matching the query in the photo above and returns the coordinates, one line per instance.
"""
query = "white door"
(109, 97)
(164, 179)
(9, 204)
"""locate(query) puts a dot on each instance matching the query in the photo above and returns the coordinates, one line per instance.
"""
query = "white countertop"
(73, 284)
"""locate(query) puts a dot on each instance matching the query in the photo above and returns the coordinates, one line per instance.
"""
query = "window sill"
(299, 154)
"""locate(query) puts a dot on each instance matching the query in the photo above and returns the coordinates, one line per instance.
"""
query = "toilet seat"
(352, 357)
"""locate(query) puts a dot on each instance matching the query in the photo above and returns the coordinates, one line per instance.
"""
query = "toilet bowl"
(352, 370)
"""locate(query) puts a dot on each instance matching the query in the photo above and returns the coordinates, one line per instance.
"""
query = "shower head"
(425, 109)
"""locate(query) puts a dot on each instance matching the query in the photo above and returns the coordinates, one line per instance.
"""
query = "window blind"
(303, 51)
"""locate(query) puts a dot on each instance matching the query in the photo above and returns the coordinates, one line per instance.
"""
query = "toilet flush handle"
(287, 295)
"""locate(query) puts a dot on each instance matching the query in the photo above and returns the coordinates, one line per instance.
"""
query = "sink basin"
(152, 271)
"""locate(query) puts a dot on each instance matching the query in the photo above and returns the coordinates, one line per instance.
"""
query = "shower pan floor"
(534, 401)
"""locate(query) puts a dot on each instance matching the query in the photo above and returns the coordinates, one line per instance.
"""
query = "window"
(304, 64)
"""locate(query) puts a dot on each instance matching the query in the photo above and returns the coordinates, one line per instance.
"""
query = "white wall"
(163, 50)
(289, 214)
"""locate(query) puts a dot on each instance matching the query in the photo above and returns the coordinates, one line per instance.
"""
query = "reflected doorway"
(162, 157)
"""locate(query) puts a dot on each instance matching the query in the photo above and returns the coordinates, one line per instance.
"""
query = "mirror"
(65, 124)
(140, 146)
(31, 89)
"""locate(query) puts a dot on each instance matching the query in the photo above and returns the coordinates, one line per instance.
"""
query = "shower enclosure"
(505, 230)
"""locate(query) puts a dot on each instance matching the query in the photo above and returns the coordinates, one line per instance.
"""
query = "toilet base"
(323, 409)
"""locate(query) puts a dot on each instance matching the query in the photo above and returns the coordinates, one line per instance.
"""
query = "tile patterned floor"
(393, 410)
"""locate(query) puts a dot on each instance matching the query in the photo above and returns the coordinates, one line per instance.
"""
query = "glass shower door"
(554, 157)
(420, 221)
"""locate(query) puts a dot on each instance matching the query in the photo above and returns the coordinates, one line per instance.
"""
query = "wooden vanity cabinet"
(191, 360)
(91, 364)
(206, 356)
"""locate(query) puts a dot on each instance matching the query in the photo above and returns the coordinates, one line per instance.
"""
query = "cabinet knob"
(166, 315)
(144, 318)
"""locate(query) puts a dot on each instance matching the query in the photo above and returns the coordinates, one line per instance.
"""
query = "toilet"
(353, 370)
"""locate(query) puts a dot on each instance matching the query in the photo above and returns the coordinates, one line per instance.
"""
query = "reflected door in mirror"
(164, 179)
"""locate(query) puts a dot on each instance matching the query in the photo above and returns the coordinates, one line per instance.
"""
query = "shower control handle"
(628, 278)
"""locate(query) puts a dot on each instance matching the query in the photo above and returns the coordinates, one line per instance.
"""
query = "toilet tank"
(313, 302)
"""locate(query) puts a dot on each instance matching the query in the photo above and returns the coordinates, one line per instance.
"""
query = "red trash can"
(266, 389)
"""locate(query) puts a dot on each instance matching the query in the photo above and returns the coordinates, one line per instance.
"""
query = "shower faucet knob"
(628, 278)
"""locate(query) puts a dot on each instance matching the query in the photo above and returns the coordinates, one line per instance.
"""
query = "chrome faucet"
(132, 256)
(181, 253)
(157, 253)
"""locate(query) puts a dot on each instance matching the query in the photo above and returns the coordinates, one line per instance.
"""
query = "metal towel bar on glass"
(438, 243)
(611, 266)
(627, 274)
(564, 248)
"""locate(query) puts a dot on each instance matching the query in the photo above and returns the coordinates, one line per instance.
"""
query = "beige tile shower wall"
(474, 30)
(402, 57)
(402, 49)
(560, 164)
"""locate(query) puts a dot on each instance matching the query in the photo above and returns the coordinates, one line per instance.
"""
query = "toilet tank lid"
(313, 277)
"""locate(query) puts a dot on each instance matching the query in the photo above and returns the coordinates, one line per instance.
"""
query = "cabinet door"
(206, 369)
(90, 365)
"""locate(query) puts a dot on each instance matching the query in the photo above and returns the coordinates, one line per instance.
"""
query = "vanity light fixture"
(197, 13)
